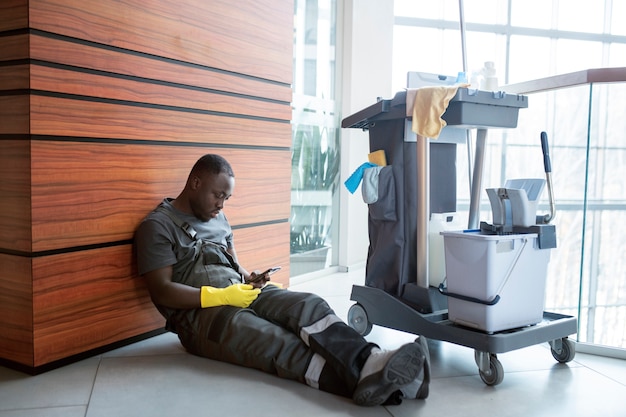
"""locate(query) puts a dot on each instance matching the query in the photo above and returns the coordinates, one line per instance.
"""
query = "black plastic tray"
(469, 108)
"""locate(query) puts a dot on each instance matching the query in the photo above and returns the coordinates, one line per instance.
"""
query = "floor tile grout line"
(602, 374)
(93, 385)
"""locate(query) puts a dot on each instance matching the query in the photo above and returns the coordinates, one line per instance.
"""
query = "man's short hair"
(212, 164)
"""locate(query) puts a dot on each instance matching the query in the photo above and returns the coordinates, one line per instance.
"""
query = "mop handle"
(547, 218)
(546, 152)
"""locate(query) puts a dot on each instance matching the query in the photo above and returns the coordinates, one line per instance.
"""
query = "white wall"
(366, 56)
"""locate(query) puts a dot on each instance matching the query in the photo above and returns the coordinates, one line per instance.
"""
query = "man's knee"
(207, 329)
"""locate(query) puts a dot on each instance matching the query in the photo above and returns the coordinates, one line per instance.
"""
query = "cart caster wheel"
(357, 319)
(495, 374)
(566, 351)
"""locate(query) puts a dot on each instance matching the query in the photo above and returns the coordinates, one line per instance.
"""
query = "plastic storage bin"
(474, 108)
(494, 282)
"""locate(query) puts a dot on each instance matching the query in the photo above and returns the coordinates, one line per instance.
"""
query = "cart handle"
(445, 292)
(547, 218)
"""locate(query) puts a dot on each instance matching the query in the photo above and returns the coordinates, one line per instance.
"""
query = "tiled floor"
(157, 378)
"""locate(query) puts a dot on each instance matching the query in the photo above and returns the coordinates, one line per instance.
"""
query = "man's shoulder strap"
(189, 231)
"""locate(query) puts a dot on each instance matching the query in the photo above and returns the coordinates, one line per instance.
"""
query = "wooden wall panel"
(251, 245)
(14, 78)
(152, 93)
(104, 108)
(94, 119)
(14, 114)
(15, 203)
(104, 189)
(16, 309)
(14, 14)
(83, 300)
(247, 36)
(143, 66)
(14, 47)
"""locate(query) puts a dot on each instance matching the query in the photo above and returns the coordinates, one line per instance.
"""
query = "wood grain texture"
(14, 15)
(14, 114)
(251, 37)
(80, 118)
(115, 88)
(16, 326)
(259, 248)
(14, 47)
(15, 221)
(151, 67)
(92, 193)
(83, 300)
(14, 77)
(120, 98)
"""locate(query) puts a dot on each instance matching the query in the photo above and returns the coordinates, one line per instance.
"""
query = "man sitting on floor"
(186, 254)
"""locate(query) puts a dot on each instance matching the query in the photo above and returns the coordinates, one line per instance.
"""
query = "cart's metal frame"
(375, 306)
(422, 313)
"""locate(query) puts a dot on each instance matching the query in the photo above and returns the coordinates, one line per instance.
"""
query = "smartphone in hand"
(260, 279)
(270, 271)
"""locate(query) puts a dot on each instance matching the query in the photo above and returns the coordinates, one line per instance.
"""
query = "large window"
(526, 39)
(315, 147)
(529, 39)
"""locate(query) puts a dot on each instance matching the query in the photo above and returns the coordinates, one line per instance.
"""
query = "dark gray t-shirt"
(159, 242)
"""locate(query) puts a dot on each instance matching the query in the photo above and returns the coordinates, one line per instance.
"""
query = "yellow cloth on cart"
(378, 158)
(430, 103)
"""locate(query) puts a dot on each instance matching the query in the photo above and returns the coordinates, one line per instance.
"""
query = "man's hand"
(238, 295)
(258, 279)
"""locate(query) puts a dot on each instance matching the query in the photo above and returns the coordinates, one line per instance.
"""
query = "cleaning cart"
(484, 264)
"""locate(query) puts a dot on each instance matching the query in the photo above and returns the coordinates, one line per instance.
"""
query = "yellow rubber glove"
(238, 295)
